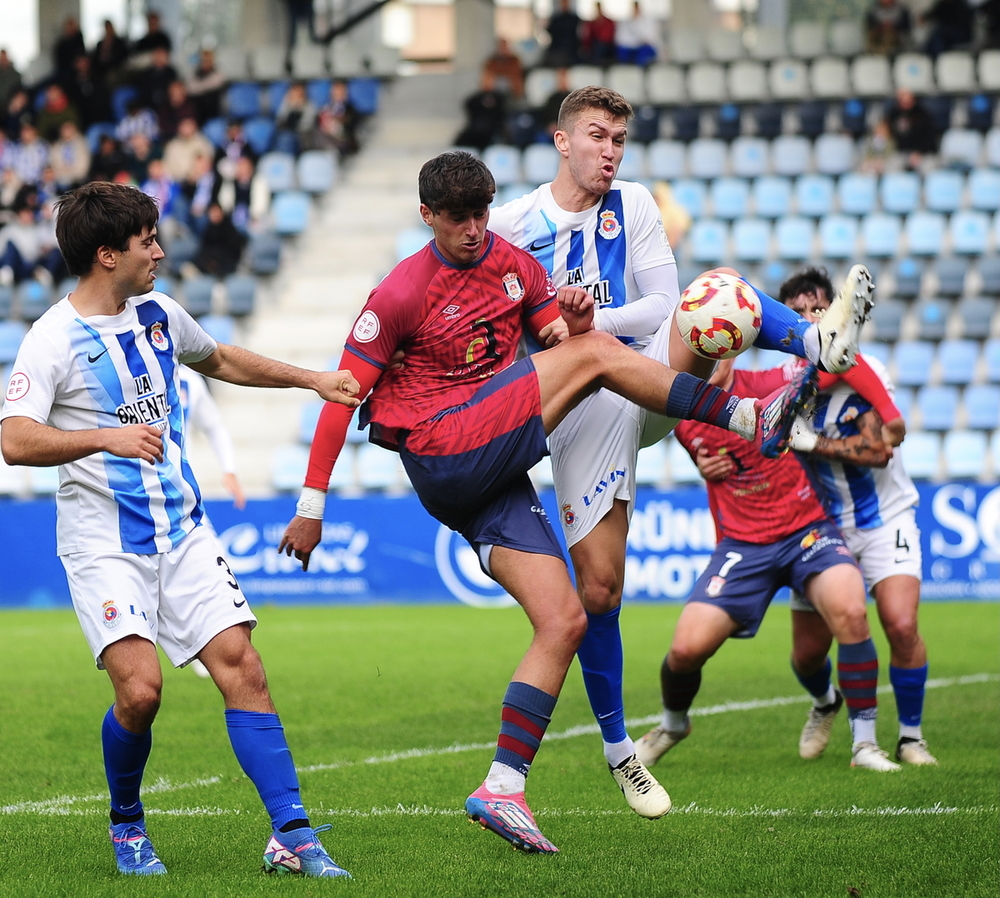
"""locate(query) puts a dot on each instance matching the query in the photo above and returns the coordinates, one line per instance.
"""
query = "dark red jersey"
(458, 325)
(764, 499)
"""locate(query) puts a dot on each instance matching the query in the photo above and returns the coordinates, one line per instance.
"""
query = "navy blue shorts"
(742, 578)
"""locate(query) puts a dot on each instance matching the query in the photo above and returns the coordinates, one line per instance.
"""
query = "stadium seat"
(943, 190)
(378, 468)
(6, 301)
(807, 40)
(964, 453)
(343, 477)
(747, 81)
(32, 299)
(988, 69)
(242, 100)
(880, 235)
(913, 72)
(772, 196)
(989, 273)
(651, 464)
(708, 241)
(846, 37)
(290, 209)
(957, 360)
(706, 158)
(267, 62)
(838, 236)
(241, 294)
(903, 397)
(924, 233)
(727, 121)
(730, 197)
(979, 112)
(899, 192)
(687, 45)
(932, 318)
(828, 77)
(790, 155)
(794, 237)
(954, 72)
(975, 314)
(215, 130)
(912, 361)
(96, 131)
(692, 194)
(685, 122)
(991, 360)
(906, 276)
(583, 75)
(264, 253)
(540, 162)
(364, 94)
(984, 189)
(982, 406)
(810, 117)
(278, 170)
(232, 62)
(961, 147)
(765, 120)
(788, 79)
(772, 276)
(950, 275)
(870, 76)
(856, 193)
(633, 164)
(259, 133)
(880, 351)
(749, 157)
(664, 85)
(308, 417)
(221, 328)
(316, 171)
(504, 162)
(854, 117)
(629, 81)
(724, 44)
(814, 195)
(681, 465)
(275, 92)
(992, 142)
(937, 407)
(664, 160)
(288, 467)
(645, 125)
(921, 454)
(120, 98)
(11, 335)
(969, 232)
(197, 295)
(769, 43)
(887, 319)
(751, 239)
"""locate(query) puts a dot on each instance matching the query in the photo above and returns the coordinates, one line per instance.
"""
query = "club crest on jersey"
(809, 539)
(17, 386)
(715, 586)
(112, 616)
(609, 226)
(513, 286)
(367, 327)
(157, 337)
(569, 517)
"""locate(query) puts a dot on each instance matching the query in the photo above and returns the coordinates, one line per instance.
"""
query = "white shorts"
(594, 450)
(893, 548)
(180, 599)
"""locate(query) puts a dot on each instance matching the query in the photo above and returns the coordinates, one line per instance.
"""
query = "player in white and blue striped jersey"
(95, 390)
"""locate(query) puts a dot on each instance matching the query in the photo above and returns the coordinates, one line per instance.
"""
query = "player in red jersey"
(469, 422)
(773, 531)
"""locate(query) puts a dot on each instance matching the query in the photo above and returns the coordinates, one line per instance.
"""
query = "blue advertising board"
(381, 549)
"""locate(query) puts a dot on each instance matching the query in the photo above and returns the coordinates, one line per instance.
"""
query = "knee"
(685, 657)
(902, 633)
(600, 593)
(138, 704)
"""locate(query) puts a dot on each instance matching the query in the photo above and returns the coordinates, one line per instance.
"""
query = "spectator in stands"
(221, 244)
(485, 115)
(300, 11)
(10, 185)
(337, 121)
(26, 250)
(108, 161)
(109, 56)
(879, 149)
(154, 81)
(563, 28)
(18, 112)
(69, 156)
(10, 79)
(161, 187)
(637, 39)
(55, 110)
(296, 111)
(547, 116)
(507, 70)
(154, 39)
(598, 38)
(180, 151)
(198, 192)
(69, 45)
(140, 151)
(234, 145)
(950, 26)
(30, 154)
(49, 189)
(138, 119)
(205, 86)
(178, 106)
(245, 197)
(912, 128)
(89, 94)
(887, 27)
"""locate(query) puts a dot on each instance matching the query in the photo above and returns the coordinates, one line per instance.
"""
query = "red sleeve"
(758, 384)
(331, 429)
(868, 385)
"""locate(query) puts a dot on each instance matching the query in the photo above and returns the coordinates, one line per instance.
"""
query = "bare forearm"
(26, 442)
(236, 365)
(859, 450)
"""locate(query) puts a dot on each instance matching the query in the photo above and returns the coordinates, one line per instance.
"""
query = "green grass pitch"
(392, 712)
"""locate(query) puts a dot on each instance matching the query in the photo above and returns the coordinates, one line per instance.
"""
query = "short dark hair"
(583, 98)
(456, 181)
(100, 214)
(809, 281)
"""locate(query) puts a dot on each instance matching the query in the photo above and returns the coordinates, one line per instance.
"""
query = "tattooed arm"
(866, 448)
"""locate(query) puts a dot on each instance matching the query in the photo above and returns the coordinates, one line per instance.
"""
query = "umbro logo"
(94, 358)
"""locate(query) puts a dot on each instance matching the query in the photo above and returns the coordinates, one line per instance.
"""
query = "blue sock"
(125, 757)
(781, 328)
(259, 743)
(601, 661)
(817, 684)
(908, 685)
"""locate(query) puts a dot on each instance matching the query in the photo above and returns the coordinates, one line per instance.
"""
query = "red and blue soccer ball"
(719, 316)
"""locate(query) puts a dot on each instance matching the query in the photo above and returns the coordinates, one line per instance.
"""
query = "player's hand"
(803, 437)
(713, 465)
(554, 333)
(232, 485)
(135, 441)
(338, 386)
(577, 308)
(396, 361)
(302, 535)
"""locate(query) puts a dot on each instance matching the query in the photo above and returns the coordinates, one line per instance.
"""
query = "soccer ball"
(719, 316)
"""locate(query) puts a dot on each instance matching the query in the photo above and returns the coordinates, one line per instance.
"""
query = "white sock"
(504, 780)
(616, 752)
(863, 730)
(810, 342)
(828, 698)
(675, 721)
(908, 732)
(744, 419)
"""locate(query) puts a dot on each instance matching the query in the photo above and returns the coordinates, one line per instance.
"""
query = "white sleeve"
(193, 344)
(35, 379)
(659, 296)
(203, 413)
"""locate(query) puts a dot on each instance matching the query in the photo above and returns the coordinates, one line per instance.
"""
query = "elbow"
(13, 454)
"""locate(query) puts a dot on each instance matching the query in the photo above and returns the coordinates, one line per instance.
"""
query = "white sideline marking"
(65, 804)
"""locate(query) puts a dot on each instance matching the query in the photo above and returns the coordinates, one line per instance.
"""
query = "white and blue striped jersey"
(76, 373)
(600, 249)
(858, 497)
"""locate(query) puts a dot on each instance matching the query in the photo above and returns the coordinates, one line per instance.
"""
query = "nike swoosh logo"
(536, 246)
(94, 358)
(239, 604)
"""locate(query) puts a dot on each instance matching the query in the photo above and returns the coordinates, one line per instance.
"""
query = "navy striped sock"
(525, 716)
(693, 399)
(857, 671)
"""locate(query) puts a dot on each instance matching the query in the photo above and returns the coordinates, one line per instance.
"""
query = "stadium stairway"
(304, 315)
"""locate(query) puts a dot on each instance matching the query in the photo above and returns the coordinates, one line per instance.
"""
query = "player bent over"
(469, 422)
(95, 390)
(773, 532)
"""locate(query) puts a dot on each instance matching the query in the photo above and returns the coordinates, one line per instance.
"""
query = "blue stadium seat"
(682, 467)
(887, 319)
(120, 98)
(964, 453)
(692, 194)
(181, 249)
(991, 357)
(921, 454)
(290, 209)
(664, 160)
(276, 91)
(221, 328)
(633, 164)
(540, 162)
(961, 147)
(308, 417)
(11, 335)
(989, 272)
(958, 359)
(880, 351)
(766, 119)
(950, 273)
(344, 476)
(814, 195)
(856, 193)
(913, 359)
(834, 154)
(838, 236)
(979, 113)
(975, 313)
(197, 295)
(278, 169)
(899, 192)
(316, 171)
(854, 117)
(772, 276)
(924, 233)
(378, 468)
(411, 240)
(264, 253)
(96, 131)
(751, 239)
(730, 197)
(645, 125)
(6, 301)
(242, 100)
(984, 189)
(215, 130)
(241, 294)
(651, 464)
(790, 155)
(932, 318)
(982, 406)
(708, 241)
(686, 121)
(940, 108)
(969, 232)
(749, 157)
(880, 235)
(907, 274)
(937, 407)
(772, 196)
(943, 189)
(32, 299)
(794, 236)
(903, 398)
(318, 91)
(727, 122)
(504, 162)
(364, 94)
(811, 115)
(259, 132)
(707, 158)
